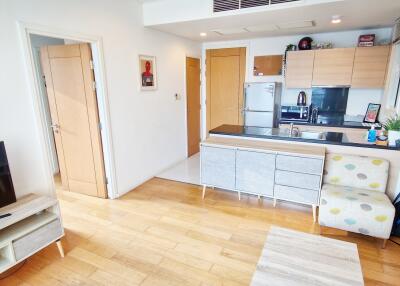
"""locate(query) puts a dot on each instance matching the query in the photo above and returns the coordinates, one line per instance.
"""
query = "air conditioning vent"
(226, 5)
(272, 2)
(230, 5)
(253, 3)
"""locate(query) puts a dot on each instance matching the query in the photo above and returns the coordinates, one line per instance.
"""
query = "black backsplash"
(331, 104)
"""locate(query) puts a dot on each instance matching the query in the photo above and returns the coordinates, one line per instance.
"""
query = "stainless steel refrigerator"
(261, 104)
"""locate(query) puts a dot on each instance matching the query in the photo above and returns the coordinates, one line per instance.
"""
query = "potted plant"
(392, 126)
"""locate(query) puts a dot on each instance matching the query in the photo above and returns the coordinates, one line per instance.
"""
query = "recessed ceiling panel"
(296, 25)
(262, 28)
(233, 31)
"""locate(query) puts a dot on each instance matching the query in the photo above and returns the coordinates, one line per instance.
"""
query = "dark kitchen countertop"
(345, 124)
(334, 138)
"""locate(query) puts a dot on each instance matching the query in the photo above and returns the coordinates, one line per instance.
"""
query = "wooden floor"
(162, 233)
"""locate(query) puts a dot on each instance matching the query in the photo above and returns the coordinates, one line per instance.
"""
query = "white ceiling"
(356, 14)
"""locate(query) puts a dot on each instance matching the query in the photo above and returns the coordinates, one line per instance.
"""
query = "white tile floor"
(187, 171)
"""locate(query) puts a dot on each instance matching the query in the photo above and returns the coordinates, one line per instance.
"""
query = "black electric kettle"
(302, 99)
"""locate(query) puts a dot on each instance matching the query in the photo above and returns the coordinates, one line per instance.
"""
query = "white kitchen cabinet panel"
(282, 171)
(255, 172)
(296, 194)
(299, 164)
(298, 180)
(218, 167)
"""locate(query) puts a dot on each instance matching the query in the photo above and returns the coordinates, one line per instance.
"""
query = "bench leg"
(204, 191)
(274, 202)
(384, 243)
(60, 248)
(239, 197)
(314, 212)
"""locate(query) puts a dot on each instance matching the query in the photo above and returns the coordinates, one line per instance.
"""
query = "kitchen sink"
(313, 135)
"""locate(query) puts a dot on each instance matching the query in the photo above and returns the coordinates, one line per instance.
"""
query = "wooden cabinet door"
(218, 167)
(333, 67)
(255, 172)
(370, 66)
(299, 69)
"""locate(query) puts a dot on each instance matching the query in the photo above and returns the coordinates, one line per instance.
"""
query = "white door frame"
(26, 29)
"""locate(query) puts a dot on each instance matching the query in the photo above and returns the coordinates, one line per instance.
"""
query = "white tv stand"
(34, 223)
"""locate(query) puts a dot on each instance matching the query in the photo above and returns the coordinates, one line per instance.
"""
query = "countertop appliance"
(261, 104)
(290, 113)
(7, 194)
(302, 99)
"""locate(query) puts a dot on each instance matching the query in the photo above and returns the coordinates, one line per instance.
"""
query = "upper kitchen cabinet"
(370, 66)
(299, 69)
(333, 67)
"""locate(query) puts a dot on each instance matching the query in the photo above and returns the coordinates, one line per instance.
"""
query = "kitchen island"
(275, 170)
(331, 138)
(279, 164)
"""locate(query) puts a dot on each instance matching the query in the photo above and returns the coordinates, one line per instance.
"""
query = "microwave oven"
(290, 113)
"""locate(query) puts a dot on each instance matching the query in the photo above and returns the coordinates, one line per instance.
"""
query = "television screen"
(7, 194)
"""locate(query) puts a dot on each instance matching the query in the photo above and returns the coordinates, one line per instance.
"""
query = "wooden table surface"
(276, 146)
(296, 258)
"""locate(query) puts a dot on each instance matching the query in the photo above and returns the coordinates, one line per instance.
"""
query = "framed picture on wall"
(148, 72)
(371, 116)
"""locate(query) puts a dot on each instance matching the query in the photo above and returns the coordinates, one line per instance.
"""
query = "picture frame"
(147, 72)
(371, 116)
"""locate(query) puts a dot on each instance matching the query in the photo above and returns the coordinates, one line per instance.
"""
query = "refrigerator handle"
(243, 109)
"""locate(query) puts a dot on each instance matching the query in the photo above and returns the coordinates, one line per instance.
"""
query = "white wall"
(391, 92)
(358, 98)
(167, 11)
(148, 128)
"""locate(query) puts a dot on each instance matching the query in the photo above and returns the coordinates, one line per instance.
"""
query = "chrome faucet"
(293, 128)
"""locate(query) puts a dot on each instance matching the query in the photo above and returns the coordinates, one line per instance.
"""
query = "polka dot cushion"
(356, 171)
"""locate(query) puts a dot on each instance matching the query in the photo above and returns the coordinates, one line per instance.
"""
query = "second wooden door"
(225, 78)
(74, 113)
(193, 104)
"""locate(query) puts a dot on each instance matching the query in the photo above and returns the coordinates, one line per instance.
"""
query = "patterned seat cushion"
(356, 171)
(356, 210)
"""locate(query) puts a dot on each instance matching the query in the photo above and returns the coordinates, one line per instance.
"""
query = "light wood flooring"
(162, 233)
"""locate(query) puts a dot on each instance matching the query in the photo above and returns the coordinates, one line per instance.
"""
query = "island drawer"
(296, 194)
(297, 180)
(299, 164)
(38, 238)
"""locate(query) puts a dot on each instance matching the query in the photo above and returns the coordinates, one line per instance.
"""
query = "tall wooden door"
(225, 78)
(74, 114)
(193, 104)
